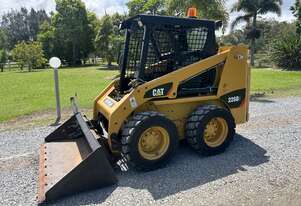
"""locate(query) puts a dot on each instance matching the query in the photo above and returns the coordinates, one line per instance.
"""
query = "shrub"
(286, 51)
(29, 54)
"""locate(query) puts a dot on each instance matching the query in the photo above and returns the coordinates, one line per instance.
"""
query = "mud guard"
(72, 160)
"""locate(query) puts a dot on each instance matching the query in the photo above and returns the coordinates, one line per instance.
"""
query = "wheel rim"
(153, 143)
(216, 132)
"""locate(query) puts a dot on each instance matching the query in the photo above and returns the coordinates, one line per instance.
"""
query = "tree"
(29, 54)
(251, 10)
(296, 9)
(47, 39)
(271, 29)
(286, 51)
(72, 31)
(208, 9)
(146, 6)
(3, 59)
(117, 19)
(104, 39)
(234, 38)
(3, 49)
(35, 19)
(22, 25)
(109, 38)
(94, 25)
(3, 39)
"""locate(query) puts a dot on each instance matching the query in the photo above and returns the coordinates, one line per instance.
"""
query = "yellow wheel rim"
(153, 143)
(216, 132)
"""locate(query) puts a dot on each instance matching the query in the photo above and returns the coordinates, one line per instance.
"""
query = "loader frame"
(226, 88)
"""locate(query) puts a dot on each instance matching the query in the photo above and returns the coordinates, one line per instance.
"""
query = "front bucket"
(71, 161)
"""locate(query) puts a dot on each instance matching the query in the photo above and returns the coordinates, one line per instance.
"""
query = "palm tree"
(251, 10)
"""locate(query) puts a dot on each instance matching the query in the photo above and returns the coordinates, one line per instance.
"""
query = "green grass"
(279, 83)
(23, 93)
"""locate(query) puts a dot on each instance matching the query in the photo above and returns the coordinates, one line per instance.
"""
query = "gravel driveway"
(262, 167)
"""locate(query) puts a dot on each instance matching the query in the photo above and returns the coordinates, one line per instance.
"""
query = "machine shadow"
(186, 171)
(189, 170)
(261, 100)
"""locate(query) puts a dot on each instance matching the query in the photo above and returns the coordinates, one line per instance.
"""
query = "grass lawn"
(276, 82)
(25, 93)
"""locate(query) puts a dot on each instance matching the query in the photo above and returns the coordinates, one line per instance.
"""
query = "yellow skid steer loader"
(175, 84)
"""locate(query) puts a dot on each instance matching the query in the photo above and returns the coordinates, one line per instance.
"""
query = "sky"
(100, 7)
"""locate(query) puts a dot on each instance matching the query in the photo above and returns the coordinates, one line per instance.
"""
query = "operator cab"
(157, 45)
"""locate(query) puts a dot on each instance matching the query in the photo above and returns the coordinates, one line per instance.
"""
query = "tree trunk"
(2, 68)
(253, 41)
(252, 52)
(73, 54)
(29, 67)
(109, 63)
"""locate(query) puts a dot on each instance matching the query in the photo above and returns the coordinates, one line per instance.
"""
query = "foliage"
(73, 32)
(29, 54)
(3, 39)
(94, 24)
(270, 29)
(234, 38)
(3, 49)
(109, 38)
(146, 6)
(117, 19)
(47, 39)
(251, 10)
(206, 9)
(296, 9)
(286, 51)
(3, 59)
(103, 39)
(22, 25)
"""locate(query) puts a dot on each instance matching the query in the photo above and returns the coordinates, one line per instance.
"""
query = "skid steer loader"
(175, 84)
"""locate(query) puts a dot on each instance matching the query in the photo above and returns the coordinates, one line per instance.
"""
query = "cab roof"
(170, 20)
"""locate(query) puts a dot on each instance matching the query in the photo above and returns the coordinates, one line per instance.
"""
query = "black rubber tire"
(196, 124)
(131, 133)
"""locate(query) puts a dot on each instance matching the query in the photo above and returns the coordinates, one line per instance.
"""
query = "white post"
(55, 63)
